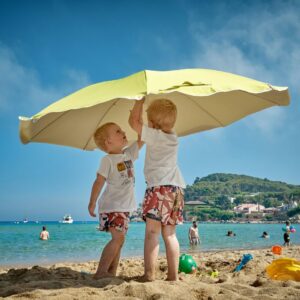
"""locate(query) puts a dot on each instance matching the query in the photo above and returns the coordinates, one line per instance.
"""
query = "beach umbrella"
(205, 99)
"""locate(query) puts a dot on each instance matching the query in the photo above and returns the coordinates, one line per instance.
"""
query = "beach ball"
(187, 264)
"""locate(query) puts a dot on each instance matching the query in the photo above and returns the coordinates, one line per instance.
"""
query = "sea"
(81, 241)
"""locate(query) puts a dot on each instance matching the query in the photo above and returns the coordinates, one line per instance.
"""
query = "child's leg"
(151, 248)
(172, 250)
(111, 254)
(114, 265)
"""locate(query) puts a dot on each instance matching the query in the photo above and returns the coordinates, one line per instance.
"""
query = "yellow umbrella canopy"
(205, 99)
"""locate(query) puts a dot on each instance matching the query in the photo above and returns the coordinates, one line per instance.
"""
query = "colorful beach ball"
(187, 264)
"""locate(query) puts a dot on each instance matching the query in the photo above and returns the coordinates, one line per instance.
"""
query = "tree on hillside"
(293, 212)
(223, 202)
(238, 200)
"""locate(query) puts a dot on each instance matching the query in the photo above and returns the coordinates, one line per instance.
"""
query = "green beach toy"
(187, 264)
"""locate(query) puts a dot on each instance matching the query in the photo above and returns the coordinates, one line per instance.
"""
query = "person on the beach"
(163, 202)
(117, 200)
(193, 234)
(286, 238)
(287, 226)
(44, 235)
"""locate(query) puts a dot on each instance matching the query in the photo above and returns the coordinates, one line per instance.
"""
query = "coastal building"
(248, 208)
(286, 207)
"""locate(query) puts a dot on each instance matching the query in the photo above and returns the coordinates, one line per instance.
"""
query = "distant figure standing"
(193, 234)
(286, 238)
(287, 226)
(44, 235)
(286, 235)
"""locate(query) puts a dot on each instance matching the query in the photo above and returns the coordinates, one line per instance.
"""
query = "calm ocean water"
(20, 244)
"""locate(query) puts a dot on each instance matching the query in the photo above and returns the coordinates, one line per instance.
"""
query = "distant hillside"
(211, 187)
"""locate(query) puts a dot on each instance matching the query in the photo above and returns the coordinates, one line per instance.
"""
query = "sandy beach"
(74, 280)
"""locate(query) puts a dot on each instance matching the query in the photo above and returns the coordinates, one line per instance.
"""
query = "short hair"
(44, 227)
(163, 113)
(101, 135)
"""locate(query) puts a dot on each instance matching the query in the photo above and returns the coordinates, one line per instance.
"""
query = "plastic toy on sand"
(214, 273)
(284, 269)
(246, 258)
(187, 264)
(276, 249)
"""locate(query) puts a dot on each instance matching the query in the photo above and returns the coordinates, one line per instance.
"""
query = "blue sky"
(51, 48)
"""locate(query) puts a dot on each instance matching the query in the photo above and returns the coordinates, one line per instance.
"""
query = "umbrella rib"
(34, 136)
(213, 117)
(108, 109)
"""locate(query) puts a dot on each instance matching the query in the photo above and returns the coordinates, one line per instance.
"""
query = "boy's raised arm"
(135, 117)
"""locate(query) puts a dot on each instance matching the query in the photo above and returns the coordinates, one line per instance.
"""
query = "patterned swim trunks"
(117, 220)
(165, 204)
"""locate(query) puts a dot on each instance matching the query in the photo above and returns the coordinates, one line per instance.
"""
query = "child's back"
(163, 202)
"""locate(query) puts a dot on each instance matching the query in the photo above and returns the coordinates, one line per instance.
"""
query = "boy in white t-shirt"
(117, 200)
(163, 202)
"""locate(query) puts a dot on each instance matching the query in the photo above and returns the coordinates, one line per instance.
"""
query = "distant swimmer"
(230, 233)
(265, 235)
(44, 235)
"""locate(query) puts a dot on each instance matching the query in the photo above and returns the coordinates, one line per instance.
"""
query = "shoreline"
(74, 280)
(197, 252)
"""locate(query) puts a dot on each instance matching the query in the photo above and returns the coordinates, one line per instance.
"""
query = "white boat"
(25, 221)
(67, 220)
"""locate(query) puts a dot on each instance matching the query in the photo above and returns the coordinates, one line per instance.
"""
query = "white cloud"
(21, 86)
(262, 45)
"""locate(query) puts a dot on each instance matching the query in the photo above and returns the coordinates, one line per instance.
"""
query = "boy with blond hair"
(163, 202)
(117, 200)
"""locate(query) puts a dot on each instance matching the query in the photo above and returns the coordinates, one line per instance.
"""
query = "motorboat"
(67, 220)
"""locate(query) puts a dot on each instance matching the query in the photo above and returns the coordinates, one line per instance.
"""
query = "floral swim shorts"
(117, 220)
(165, 204)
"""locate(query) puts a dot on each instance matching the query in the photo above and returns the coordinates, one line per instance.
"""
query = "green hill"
(214, 196)
(241, 187)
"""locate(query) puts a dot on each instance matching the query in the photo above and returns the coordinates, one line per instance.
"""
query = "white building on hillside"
(249, 208)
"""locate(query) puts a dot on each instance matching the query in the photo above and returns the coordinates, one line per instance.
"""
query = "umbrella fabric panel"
(206, 81)
(131, 87)
(75, 128)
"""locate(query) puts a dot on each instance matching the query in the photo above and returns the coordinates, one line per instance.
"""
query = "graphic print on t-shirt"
(126, 171)
(121, 166)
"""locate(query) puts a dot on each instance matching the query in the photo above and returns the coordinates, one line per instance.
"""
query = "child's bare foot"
(146, 278)
(174, 278)
(103, 275)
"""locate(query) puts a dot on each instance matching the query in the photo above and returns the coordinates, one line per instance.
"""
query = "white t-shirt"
(118, 170)
(161, 158)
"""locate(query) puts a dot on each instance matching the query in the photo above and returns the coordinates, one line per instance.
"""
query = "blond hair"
(101, 135)
(162, 113)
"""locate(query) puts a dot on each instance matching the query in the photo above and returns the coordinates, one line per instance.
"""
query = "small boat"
(25, 221)
(67, 220)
